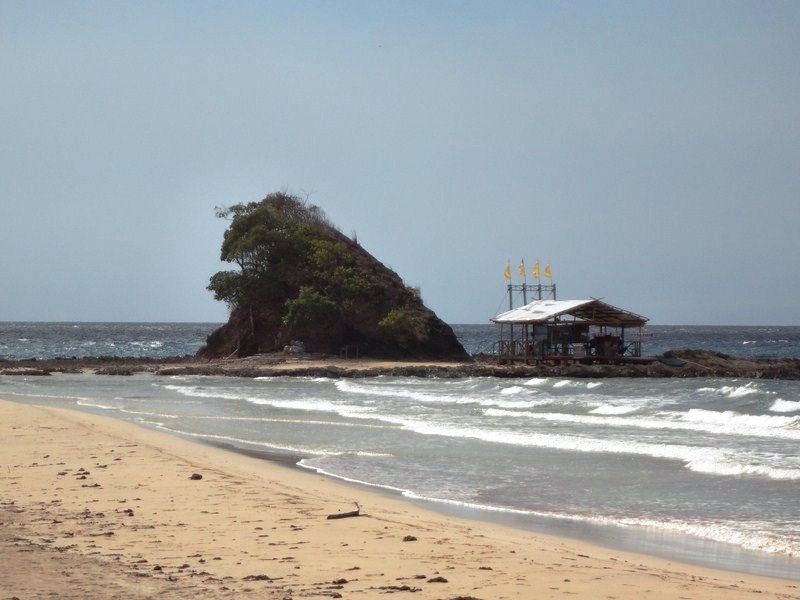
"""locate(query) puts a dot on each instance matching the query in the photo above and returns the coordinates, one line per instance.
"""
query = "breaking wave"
(613, 409)
(785, 406)
(732, 391)
(354, 388)
(696, 419)
(714, 461)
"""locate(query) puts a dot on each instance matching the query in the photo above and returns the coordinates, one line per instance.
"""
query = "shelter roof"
(592, 311)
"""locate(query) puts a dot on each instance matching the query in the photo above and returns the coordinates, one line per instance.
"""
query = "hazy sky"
(650, 151)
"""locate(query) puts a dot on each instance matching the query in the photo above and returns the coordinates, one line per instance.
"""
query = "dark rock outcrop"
(302, 280)
(686, 363)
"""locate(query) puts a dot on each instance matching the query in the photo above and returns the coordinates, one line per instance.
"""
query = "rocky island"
(302, 284)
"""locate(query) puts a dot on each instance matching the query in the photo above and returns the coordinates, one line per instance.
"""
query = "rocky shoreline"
(675, 363)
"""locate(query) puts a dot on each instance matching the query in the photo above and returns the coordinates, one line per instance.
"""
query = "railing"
(525, 350)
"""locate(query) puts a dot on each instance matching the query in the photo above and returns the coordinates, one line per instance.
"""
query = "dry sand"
(92, 507)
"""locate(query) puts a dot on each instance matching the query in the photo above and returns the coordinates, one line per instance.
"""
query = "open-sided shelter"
(557, 330)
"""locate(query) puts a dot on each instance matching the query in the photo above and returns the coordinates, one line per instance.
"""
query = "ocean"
(21, 340)
(699, 470)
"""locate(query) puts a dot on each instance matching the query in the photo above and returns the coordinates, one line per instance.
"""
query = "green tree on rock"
(297, 277)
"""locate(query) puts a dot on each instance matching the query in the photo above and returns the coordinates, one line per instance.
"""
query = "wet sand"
(92, 507)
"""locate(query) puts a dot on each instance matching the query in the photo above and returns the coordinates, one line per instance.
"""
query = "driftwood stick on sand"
(344, 515)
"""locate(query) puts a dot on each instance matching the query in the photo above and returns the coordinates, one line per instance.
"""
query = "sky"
(648, 151)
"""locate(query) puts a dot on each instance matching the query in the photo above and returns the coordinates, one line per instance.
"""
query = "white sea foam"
(142, 413)
(613, 409)
(303, 463)
(304, 404)
(516, 389)
(576, 384)
(149, 414)
(738, 392)
(292, 378)
(716, 461)
(726, 423)
(513, 403)
(733, 421)
(536, 381)
(372, 390)
(733, 391)
(150, 344)
(200, 392)
(367, 454)
(289, 421)
(785, 406)
(47, 396)
(228, 438)
(725, 467)
(748, 535)
(96, 405)
(317, 405)
(565, 383)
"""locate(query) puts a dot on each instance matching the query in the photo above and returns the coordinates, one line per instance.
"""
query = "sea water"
(704, 470)
(43, 340)
(22, 340)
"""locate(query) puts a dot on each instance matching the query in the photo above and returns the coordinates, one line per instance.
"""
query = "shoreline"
(253, 524)
(666, 545)
(685, 363)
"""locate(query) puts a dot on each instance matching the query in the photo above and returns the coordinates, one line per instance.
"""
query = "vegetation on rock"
(300, 278)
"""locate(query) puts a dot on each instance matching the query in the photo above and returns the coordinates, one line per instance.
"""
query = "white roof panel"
(593, 311)
(539, 310)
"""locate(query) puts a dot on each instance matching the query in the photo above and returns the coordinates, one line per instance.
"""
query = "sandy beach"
(93, 507)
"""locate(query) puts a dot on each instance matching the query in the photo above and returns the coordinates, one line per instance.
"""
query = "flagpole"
(507, 275)
(524, 338)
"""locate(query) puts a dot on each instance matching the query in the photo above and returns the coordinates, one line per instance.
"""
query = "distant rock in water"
(299, 279)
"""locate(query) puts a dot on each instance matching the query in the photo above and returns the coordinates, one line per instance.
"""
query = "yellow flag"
(522, 268)
(507, 272)
(547, 273)
(536, 270)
